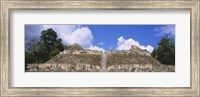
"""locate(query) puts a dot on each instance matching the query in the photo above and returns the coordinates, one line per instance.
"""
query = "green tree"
(31, 51)
(31, 45)
(51, 44)
(66, 47)
(39, 51)
(165, 53)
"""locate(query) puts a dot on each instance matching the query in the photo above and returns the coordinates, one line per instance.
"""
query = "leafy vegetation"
(165, 53)
(39, 51)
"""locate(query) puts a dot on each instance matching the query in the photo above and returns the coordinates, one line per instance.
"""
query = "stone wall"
(91, 68)
(62, 68)
(140, 68)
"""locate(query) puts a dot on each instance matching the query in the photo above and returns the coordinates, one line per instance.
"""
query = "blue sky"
(106, 37)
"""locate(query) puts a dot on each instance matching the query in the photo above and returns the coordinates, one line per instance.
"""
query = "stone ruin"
(133, 50)
(77, 49)
(62, 68)
(81, 52)
(76, 59)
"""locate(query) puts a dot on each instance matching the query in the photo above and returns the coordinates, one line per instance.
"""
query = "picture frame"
(7, 6)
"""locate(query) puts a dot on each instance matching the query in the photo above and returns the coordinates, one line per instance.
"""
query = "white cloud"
(125, 44)
(71, 34)
(96, 48)
(82, 36)
(169, 30)
(149, 48)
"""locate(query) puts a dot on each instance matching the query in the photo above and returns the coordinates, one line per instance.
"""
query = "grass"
(117, 59)
(93, 59)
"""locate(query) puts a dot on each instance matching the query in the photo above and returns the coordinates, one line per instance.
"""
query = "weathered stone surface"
(64, 68)
(141, 68)
(119, 58)
(81, 52)
(75, 46)
(77, 59)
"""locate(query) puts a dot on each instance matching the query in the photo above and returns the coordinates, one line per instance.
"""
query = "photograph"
(99, 48)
